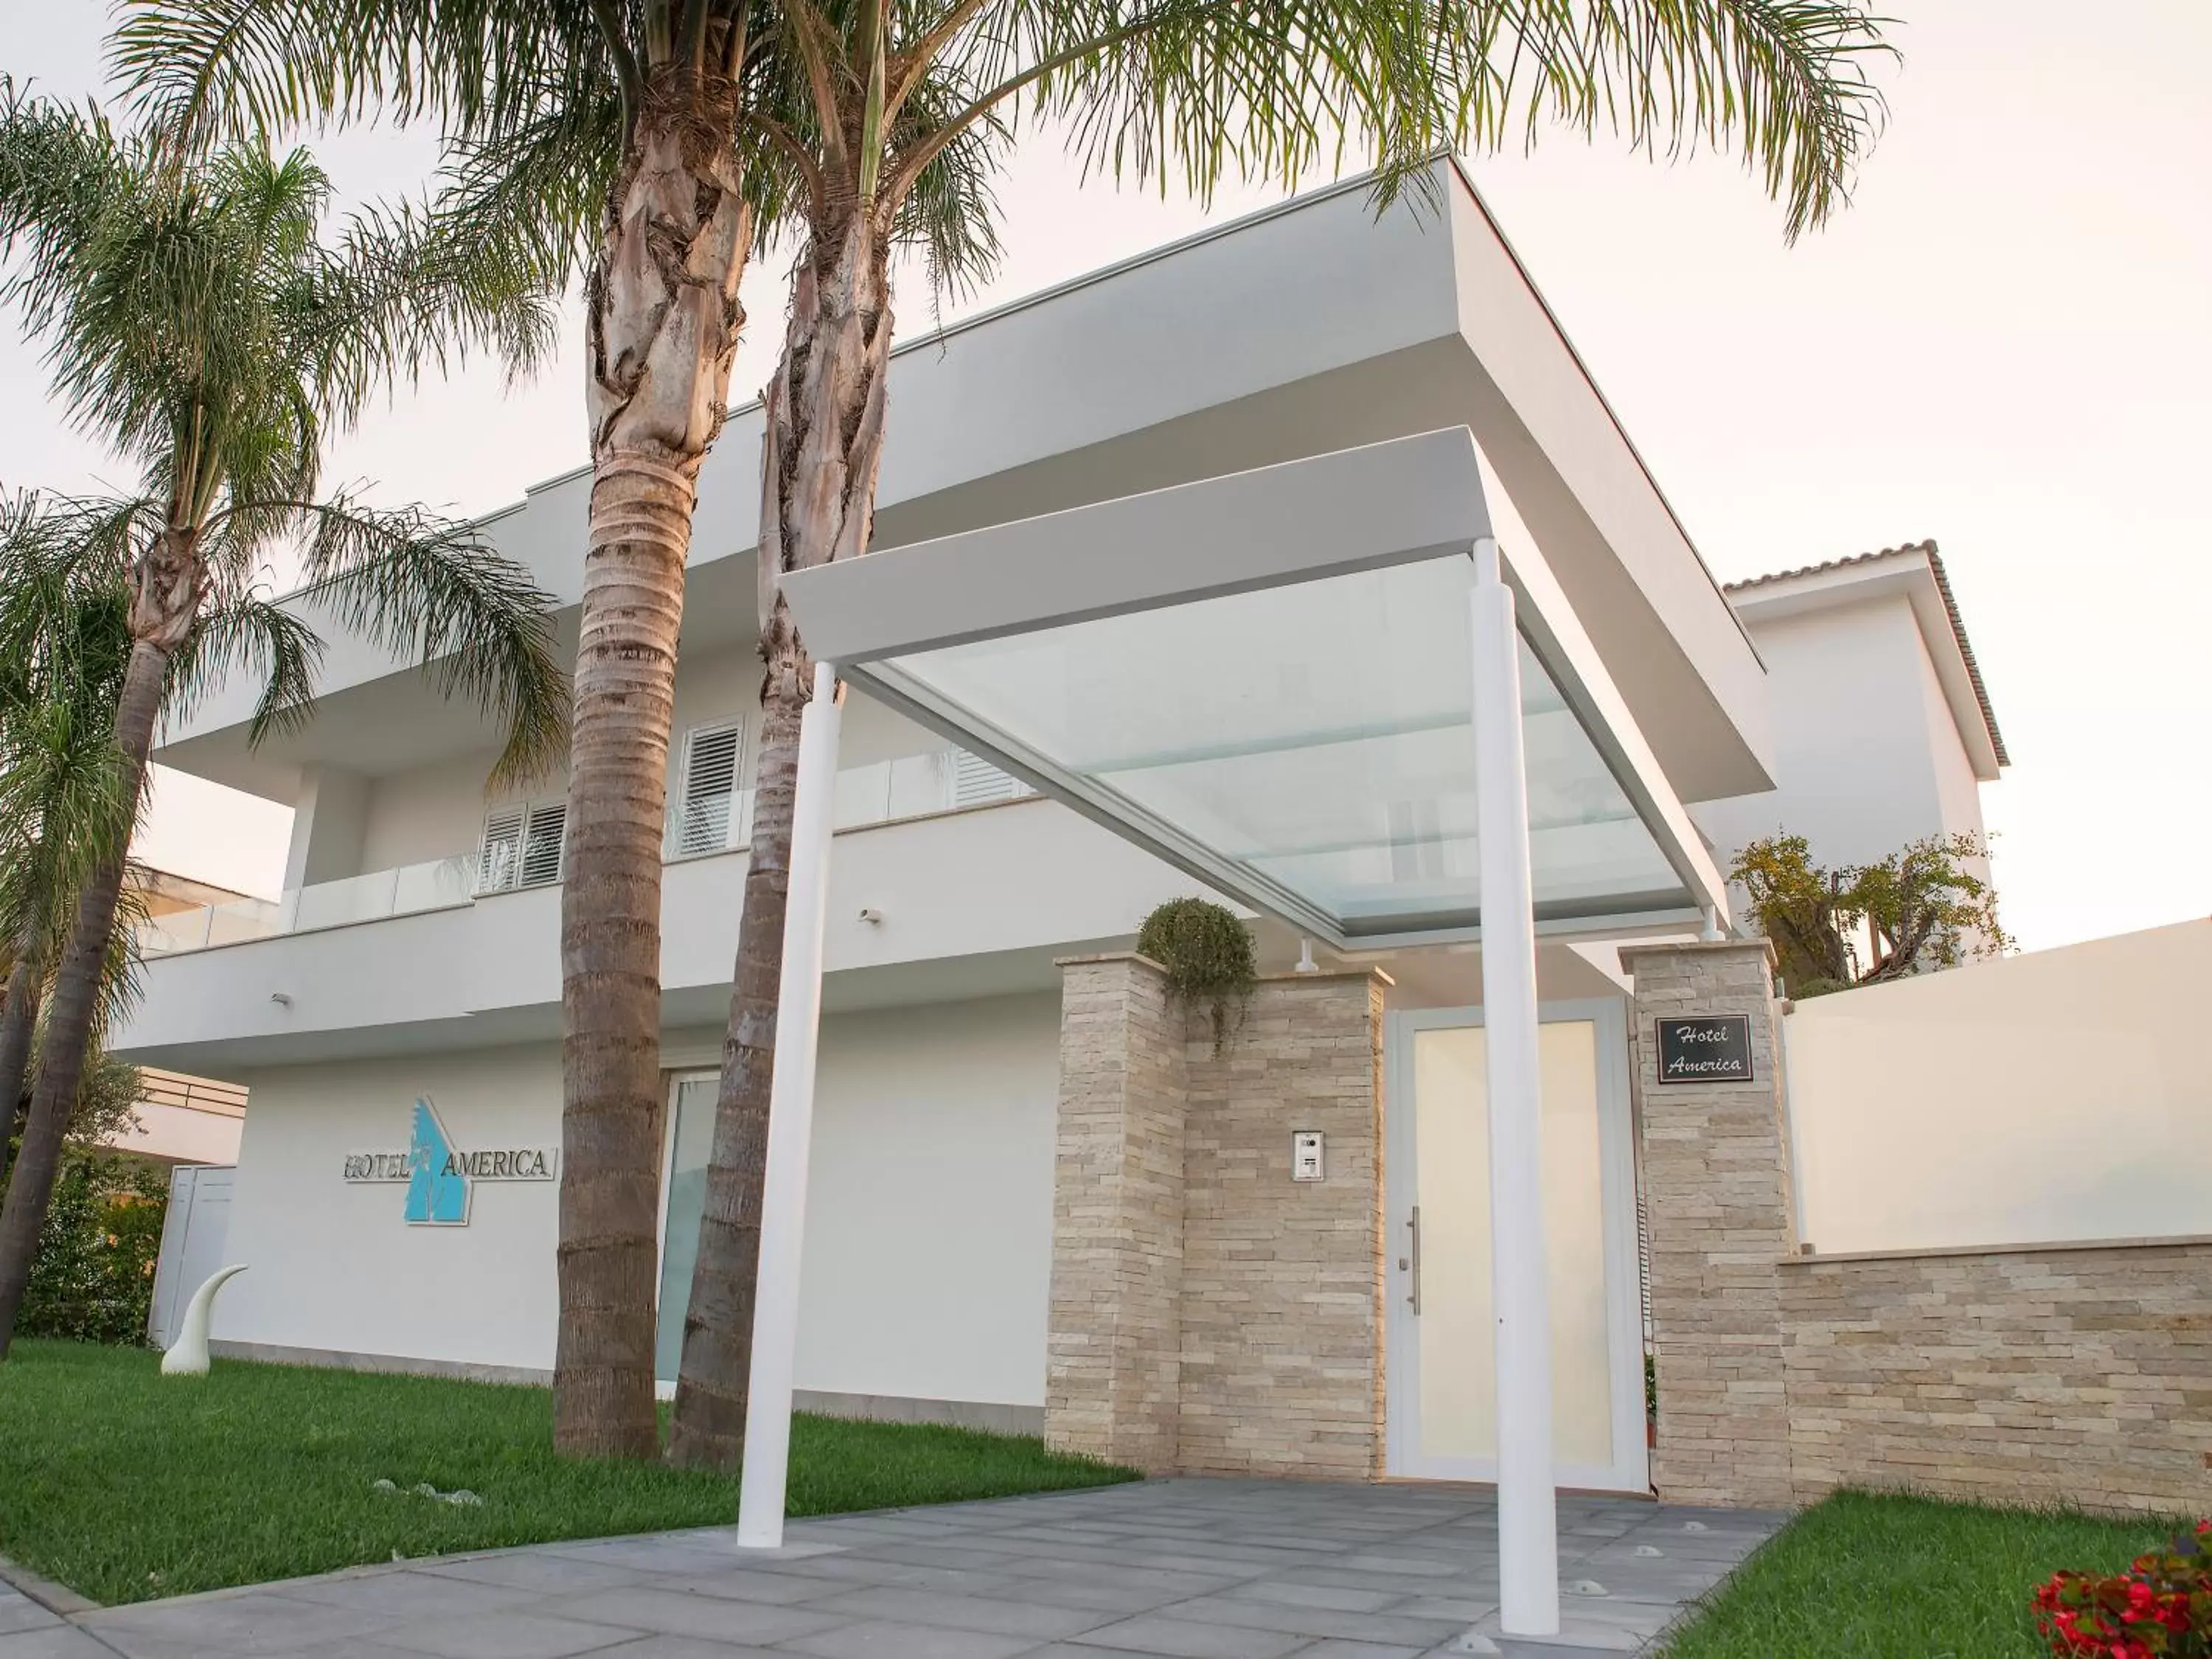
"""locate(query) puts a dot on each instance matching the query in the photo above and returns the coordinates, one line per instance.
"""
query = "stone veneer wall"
(2035, 1374)
(1113, 1345)
(2049, 1374)
(1282, 1280)
(1208, 1314)
(1714, 1171)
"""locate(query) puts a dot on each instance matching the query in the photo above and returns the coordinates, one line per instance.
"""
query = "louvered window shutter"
(976, 780)
(711, 754)
(541, 848)
(500, 861)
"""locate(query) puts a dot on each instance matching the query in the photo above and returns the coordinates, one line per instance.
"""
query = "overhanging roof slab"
(1265, 678)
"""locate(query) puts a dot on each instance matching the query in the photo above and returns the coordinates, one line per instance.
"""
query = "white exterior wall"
(928, 1252)
(436, 811)
(929, 1220)
(1868, 756)
(334, 1265)
(433, 812)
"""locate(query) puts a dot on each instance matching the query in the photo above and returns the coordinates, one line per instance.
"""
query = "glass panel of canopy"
(1267, 680)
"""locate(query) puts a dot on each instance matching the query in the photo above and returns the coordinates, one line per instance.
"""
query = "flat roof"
(1312, 326)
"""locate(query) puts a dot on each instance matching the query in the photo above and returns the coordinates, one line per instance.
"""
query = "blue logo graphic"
(437, 1192)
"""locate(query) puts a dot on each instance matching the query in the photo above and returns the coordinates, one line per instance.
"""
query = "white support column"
(790, 1126)
(1528, 1513)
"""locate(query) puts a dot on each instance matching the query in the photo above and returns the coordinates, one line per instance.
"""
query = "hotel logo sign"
(439, 1178)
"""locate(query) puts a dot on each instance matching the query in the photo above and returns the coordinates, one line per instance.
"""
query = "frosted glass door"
(1447, 1395)
(694, 1136)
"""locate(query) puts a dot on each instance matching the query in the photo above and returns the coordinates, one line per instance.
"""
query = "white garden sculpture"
(188, 1354)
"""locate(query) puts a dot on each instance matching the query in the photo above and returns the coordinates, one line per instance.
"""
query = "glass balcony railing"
(886, 791)
(437, 885)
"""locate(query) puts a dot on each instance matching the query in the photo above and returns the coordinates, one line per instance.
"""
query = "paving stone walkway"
(1185, 1569)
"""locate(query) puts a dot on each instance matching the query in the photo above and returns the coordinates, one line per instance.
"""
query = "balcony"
(886, 792)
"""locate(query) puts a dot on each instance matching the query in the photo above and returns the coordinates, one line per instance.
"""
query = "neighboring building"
(1882, 728)
(181, 1120)
(184, 1120)
(164, 893)
(405, 991)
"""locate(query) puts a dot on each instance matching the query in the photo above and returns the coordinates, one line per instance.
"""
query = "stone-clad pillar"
(1113, 1346)
(1282, 1279)
(1714, 1163)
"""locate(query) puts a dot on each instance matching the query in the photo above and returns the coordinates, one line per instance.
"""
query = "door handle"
(1410, 1263)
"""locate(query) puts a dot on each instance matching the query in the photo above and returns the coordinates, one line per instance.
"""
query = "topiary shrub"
(1209, 957)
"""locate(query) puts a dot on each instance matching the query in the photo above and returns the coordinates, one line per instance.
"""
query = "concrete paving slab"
(510, 1636)
(535, 1570)
(890, 1639)
(749, 1584)
(19, 1613)
(659, 1610)
(1162, 1634)
(57, 1641)
(243, 1622)
(409, 1594)
(996, 1617)
(1182, 1569)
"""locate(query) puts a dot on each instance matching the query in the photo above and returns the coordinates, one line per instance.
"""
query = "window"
(976, 780)
(704, 805)
(522, 848)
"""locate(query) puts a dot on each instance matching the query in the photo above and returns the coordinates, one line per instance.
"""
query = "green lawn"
(1866, 1577)
(125, 1484)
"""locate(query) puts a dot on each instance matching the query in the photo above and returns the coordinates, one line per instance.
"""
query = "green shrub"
(94, 1278)
(1208, 955)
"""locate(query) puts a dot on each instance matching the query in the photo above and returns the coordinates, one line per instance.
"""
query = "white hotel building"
(414, 954)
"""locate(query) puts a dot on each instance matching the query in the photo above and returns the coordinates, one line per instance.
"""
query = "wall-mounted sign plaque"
(1706, 1048)
(439, 1178)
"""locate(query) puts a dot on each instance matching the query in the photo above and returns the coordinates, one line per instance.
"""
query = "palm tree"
(196, 320)
(1197, 88)
(62, 657)
(609, 139)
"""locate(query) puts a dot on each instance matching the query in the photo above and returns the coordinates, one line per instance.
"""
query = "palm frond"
(1787, 82)
(64, 644)
(408, 289)
(252, 634)
(206, 71)
(432, 589)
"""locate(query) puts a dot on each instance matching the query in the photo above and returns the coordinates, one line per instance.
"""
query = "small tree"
(1921, 908)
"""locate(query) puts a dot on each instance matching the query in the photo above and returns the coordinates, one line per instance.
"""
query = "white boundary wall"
(2056, 1097)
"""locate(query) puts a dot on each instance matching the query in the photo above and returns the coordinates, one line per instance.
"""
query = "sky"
(2004, 344)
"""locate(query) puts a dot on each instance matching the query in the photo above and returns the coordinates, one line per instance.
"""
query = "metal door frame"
(1629, 1470)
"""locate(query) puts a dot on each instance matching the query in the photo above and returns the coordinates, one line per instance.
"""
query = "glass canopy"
(1266, 677)
(1315, 739)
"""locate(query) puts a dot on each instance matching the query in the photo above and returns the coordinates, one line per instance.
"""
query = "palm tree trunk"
(823, 441)
(19, 1023)
(663, 334)
(76, 995)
